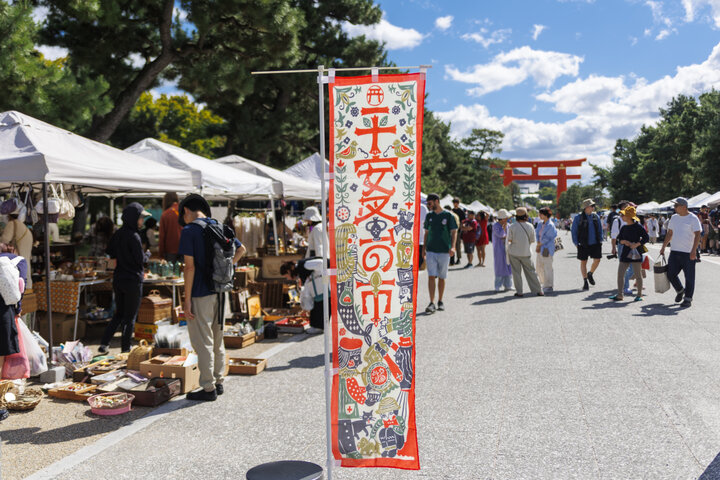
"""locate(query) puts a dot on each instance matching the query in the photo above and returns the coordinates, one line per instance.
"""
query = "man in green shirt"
(440, 237)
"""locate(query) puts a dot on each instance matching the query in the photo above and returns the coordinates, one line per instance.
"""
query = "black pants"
(127, 304)
(317, 319)
(680, 262)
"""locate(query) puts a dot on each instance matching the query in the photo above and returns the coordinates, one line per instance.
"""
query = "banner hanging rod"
(324, 70)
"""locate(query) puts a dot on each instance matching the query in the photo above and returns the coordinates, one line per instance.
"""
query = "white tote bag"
(662, 282)
(10, 280)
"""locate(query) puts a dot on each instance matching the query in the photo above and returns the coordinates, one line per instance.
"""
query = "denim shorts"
(437, 264)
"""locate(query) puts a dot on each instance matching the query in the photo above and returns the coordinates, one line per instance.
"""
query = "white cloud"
(537, 30)
(514, 67)
(633, 41)
(39, 14)
(603, 109)
(180, 14)
(52, 53)
(664, 33)
(136, 60)
(482, 37)
(693, 6)
(443, 23)
(394, 37)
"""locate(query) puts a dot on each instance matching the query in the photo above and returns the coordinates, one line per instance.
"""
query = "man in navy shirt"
(202, 303)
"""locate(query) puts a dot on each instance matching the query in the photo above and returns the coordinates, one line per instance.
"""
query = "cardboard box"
(235, 368)
(189, 375)
(63, 326)
(170, 351)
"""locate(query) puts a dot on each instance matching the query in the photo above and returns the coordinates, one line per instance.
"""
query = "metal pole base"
(286, 470)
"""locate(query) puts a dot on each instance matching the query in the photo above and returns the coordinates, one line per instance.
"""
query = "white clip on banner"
(375, 72)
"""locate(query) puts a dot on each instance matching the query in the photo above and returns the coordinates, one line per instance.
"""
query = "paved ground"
(570, 386)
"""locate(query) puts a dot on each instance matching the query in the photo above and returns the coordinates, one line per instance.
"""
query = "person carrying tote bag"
(660, 270)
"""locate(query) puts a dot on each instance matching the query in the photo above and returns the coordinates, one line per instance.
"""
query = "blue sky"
(561, 78)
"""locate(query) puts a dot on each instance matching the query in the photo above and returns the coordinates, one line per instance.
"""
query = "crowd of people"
(451, 230)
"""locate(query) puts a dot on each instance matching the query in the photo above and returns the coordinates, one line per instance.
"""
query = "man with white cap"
(683, 234)
(317, 232)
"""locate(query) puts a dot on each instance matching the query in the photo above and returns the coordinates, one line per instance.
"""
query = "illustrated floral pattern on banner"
(376, 135)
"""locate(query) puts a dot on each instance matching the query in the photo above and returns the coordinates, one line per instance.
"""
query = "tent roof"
(647, 207)
(310, 169)
(292, 188)
(713, 199)
(216, 178)
(35, 151)
(698, 200)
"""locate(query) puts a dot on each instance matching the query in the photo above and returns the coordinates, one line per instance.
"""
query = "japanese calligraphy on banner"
(376, 142)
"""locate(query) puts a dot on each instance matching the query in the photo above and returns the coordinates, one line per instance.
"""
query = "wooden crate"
(154, 308)
(236, 341)
(235, 368)
(76, 396)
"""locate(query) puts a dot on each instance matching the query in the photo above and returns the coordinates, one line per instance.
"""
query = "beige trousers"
(637, 270)
(206, 337)
(545, 270)
(518, 265)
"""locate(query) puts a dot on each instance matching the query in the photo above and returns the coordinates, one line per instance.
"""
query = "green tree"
(571, 199)
(480, 173)
(41, 88)
(173, 119)
(705, 156)
(134, 44)
(440, 155)
(548, 193)
(276, 121)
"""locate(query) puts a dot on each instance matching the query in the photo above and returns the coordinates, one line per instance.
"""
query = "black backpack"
(219, 252)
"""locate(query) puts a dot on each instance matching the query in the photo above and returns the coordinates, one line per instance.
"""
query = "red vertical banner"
(374, 206)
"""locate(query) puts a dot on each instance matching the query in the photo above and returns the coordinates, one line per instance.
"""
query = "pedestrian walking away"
(503, 273)
(460, 214)
(204, 309)
(683, 235)
(521, 235)
(440, 238)
(469, 236)
(482, 238)
(545, 236)
(633, 238)
(126, 247)
(587, 237)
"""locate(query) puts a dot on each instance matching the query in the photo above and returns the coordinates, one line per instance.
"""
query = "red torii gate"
(561, 176)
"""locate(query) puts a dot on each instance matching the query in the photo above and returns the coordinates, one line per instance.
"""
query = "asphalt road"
(567, 386)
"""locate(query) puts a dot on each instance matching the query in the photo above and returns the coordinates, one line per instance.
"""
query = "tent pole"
(326, 282)
(272, 215)
(48, 300)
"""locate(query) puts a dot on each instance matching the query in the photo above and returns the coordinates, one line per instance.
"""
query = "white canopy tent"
(698, 200)
(34, 151)
(713, 200)
(478, 206)
(649, 207)
(311, 169)
(216, 179)
(291, 187)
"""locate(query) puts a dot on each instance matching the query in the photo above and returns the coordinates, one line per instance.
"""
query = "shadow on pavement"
(712, 471)
(604, 295)
(486, 293)
(301, 362)
(653, 309)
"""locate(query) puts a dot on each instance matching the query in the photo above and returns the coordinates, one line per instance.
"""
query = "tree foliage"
(680, 155)
(173, 119)
(49, 90)
(571, 199)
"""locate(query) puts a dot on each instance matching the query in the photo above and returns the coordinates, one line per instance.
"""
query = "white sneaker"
(314, 331)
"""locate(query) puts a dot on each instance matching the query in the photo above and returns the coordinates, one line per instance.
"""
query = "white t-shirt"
(617, 224)
(315, 241)
(683, 229)
(423, 214)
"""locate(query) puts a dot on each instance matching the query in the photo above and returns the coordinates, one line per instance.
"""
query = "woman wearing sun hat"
(633, 238)
(521, 235)
(503, 274)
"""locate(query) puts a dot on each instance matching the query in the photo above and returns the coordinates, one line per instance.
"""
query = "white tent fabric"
(309, 169)
(35, 151)
(667, 204)
(478, 206)
(713, 200)
(216, 179)
(291, 187)
(648, 207)
(698, 200)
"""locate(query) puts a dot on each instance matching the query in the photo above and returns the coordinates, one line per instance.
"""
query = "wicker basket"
(154, 308)
(25, 401)
(139, 354)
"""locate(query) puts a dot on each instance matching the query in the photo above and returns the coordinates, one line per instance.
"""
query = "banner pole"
(326, 255)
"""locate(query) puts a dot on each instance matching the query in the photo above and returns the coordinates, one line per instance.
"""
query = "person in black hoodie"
(125, 246)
